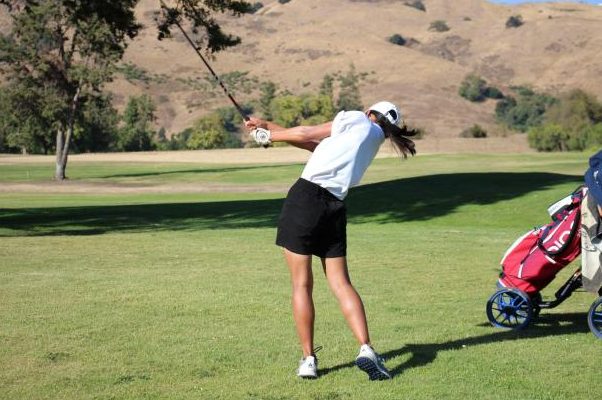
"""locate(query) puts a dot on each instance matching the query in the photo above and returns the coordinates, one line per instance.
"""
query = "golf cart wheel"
(594, 318)
(509, 308)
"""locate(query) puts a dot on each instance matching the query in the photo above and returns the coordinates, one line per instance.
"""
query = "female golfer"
(313, 218)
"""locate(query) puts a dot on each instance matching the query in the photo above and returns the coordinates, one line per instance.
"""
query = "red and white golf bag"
(535, 258)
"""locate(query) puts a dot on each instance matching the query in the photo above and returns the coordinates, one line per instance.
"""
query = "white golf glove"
(261, 136)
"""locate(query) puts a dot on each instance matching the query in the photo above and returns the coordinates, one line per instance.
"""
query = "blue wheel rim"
(509, 308)
(594, 318)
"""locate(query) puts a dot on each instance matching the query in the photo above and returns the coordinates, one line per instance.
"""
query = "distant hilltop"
(555, 49)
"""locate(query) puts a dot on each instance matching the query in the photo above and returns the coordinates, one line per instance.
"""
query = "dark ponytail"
(402, 144)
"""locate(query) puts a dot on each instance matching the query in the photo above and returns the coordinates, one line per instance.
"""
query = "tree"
(96, 130)
(349, 92)
(268, 93)
(208, 133)
(137, 132)
(57, 56)
(60, 53)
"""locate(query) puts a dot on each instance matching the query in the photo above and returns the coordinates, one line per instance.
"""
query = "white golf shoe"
(308, 368)
(372, 364)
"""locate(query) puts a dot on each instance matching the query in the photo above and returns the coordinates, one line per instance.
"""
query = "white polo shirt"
(340, 160)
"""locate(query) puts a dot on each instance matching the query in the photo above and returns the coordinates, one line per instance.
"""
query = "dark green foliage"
(283, 1)
(397, 39)
(137, 133)
(524, 111)
(97, 129)
(439, 26)
(256, 7)
(475, 131)
(514, 21)
(475, 88)
(417, 4)
(493, 93)
(200, 14)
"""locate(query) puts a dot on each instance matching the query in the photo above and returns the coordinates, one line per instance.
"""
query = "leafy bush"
(397, 39)
(525, 111)
(417, 4)
(256, 7)
(283, 1)
(493, 93)
(475, 88)
(514, 21)
(475, 131)
(551, 137)
(439, 26)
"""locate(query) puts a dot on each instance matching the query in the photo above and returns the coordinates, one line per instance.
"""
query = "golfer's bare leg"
(303, 305)
(349, 300)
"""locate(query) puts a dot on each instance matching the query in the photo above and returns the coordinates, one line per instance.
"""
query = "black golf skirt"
(313, 221)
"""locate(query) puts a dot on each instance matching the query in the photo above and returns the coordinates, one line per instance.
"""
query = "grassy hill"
(295, 44)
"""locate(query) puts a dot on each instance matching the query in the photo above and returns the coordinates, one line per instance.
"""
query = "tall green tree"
(137, 132)
(59, 54)
(267, 94)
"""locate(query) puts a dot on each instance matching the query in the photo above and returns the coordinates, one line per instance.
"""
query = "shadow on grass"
(424, 354)
(411, 199)
(198, 171)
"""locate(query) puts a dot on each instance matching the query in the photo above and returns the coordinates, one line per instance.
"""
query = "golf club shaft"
(194, 46)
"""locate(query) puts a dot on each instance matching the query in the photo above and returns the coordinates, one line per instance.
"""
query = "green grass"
(184, 296)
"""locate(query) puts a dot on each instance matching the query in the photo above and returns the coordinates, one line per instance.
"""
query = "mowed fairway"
(181, 293)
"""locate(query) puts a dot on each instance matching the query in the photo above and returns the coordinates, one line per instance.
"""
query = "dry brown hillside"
(295, 44)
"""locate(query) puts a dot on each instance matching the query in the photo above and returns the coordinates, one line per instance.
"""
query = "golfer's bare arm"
(304, 137)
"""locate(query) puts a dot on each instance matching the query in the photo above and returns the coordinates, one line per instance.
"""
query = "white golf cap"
(388, 109)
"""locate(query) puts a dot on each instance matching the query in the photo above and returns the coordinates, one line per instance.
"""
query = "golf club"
(196, 49)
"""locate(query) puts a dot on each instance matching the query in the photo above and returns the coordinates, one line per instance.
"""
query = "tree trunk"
(59, 171)
(63, 140)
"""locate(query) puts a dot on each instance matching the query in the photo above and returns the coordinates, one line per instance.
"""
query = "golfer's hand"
(254, 123)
